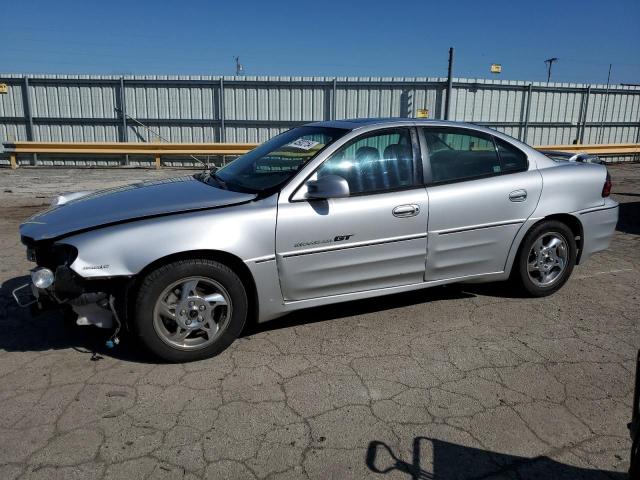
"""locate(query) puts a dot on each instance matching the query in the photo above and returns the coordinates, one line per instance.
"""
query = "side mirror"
(328, 186)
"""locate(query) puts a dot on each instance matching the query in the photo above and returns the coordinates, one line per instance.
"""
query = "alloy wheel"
(548, 259)
(192, 313)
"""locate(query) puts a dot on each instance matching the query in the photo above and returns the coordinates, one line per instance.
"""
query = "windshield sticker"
(303, 144)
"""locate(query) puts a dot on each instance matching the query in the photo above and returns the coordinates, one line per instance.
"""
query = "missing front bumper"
(89, 308)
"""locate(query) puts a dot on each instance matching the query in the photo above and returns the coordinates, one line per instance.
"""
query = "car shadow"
(360, 307)
(629, 218)
(439, 460)
(24, 330)
(27, 330)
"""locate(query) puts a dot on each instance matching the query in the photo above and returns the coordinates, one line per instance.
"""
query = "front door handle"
(518, 196)
(402, 211)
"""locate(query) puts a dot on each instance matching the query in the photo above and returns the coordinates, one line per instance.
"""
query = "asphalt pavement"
(465, 381)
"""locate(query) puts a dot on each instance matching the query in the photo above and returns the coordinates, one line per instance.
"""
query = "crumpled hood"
(136, 201)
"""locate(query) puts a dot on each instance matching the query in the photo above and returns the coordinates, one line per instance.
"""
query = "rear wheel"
(190, 310)
(546, 258)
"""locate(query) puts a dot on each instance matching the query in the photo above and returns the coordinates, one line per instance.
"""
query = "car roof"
(355, 123)
(540, 159)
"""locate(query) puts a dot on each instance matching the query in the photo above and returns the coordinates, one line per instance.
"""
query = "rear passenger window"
(513, 160)
(457, 154)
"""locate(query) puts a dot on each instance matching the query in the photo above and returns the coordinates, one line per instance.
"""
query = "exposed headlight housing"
(42, 277)
(49, 255)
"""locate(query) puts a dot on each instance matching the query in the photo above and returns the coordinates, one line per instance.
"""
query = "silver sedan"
(323, 213)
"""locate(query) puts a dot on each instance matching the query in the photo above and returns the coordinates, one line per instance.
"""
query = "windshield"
(273, 163)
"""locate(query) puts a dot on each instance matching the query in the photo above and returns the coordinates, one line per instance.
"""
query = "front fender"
(246, 231)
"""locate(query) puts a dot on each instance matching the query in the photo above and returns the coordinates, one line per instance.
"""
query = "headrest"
(367, 153)
(397, 151)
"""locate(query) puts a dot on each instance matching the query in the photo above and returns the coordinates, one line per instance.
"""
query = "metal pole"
(549, 62)
(584, 117)
(221, 109)
(576, 140)
(124, 134)
(527, 113)
(447, 100)
(26, 104)
(221, 106)
(333, 99)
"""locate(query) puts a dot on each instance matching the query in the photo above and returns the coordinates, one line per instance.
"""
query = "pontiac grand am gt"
(323, 213)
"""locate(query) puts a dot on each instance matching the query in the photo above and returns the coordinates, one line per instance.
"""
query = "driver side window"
(376, 162)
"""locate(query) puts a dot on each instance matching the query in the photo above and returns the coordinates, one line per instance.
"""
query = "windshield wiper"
(216, 178)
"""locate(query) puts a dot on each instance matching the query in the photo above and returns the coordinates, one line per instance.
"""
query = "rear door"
(481, 190)
(375, 238)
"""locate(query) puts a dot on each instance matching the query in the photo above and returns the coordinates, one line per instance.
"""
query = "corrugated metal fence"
(252, 109)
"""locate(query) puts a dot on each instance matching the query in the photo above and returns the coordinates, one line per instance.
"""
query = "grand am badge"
(337, 238)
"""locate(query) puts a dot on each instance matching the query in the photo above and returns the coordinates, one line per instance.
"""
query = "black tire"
(158, 280)
(520, 273)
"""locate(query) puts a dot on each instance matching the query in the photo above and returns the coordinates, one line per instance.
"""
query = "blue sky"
(325, 37)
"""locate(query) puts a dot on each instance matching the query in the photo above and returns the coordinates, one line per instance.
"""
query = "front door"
(375, 238)
(481, 192)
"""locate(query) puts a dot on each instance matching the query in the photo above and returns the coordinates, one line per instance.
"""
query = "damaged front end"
(54, 285)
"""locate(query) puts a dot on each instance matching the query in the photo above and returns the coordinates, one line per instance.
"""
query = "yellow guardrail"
(122, 148)
(158, 150)
(600, 149)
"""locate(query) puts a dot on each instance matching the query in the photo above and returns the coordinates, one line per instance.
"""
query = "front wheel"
(546, 258)
(190, 309)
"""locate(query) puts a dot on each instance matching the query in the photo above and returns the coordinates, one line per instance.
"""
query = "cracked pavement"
(465, 381)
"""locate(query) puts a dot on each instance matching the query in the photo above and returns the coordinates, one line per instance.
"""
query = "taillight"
(606, 189)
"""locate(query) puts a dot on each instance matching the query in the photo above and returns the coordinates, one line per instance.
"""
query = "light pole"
(239, 68)
(447, 100)
(549, 62)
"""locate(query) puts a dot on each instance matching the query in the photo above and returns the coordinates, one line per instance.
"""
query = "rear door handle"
(402, 211)
(518, 196)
